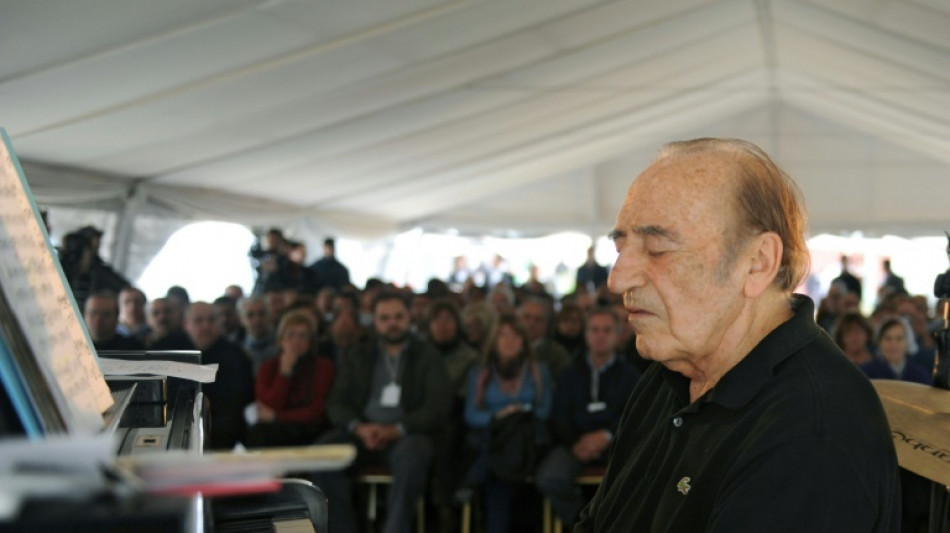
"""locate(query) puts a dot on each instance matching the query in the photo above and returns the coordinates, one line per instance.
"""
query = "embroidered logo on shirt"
(683, 486)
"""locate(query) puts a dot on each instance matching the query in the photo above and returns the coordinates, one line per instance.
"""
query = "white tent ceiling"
(530, 115)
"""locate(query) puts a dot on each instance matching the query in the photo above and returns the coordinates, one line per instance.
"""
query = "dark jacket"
(426, 397)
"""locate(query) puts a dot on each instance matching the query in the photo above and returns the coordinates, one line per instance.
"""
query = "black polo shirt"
(793, 438)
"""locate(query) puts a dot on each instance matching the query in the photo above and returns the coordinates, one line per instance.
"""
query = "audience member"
(502, 298)
(445, 333)
(478, 319)
(276, 303)
(569, 328)
(291, 389)
(852, 333)
(178, 295)
(419, 314)
(234, 292)
(227, 320)
(892, 284)
(345, 333)
(132, 320)
(389, 398)
(101, 315)
(233, 386)
(537, 319)
(590, 276)
(893, 363)
(84, 270)
(328, 271)
(590, 396)
(850, 282)
(165, 322)
(259, 343)
(509, 380)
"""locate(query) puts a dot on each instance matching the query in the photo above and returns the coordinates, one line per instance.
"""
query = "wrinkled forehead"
(690, 189)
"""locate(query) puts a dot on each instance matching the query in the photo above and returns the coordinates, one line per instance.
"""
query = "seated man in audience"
(132, 321)
(233, 386)
(588, 402)
(389, 397)
(445, 333)
(259, 341)
(536, 314)
(101, 315)
(164, 319)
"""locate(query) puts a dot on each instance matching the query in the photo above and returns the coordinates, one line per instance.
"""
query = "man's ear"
(765, 258)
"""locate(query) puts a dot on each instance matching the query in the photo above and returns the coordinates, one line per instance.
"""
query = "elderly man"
(259, 342)
(753, 420)
(233, 387)
(164, 320)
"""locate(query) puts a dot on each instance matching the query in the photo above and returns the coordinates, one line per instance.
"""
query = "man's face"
(101, 318)
(535, 318)
(255, 319)
(391, 320)
(672, 269)
(161, 316)
(132, 306)
(226, 318)
(601, 334)
(201, 326)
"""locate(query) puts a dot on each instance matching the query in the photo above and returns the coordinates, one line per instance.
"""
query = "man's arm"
(341, 403)
(438, 395)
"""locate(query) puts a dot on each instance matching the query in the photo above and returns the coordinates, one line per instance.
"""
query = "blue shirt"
(495, 399)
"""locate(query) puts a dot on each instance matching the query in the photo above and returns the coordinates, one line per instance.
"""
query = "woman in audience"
(892, 342)
(508, 381)
(292, 387)
(852, 333)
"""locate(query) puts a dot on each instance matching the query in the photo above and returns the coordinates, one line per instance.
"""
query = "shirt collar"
(744, 381)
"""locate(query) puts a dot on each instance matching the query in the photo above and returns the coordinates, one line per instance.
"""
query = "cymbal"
(919, 416)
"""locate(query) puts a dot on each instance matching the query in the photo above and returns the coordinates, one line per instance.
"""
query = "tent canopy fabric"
(362, 118)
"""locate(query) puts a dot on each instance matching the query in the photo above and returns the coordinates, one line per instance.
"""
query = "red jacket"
(300, 398)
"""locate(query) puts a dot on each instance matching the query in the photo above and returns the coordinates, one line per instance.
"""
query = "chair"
(373, 476)
(590, 476)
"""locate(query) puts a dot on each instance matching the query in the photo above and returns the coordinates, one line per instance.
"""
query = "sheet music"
(122, 367)
(34, 285)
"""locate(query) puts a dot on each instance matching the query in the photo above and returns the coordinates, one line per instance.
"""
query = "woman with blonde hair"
(292, 388)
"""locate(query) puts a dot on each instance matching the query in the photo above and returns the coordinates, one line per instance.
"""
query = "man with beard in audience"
(390, 396)
(233, 386)
(226, 316)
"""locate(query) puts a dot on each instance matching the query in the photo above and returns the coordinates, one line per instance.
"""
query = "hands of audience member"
(287, 362)
(505, 411)
(591, 445)
(264, 413)
(377, 436)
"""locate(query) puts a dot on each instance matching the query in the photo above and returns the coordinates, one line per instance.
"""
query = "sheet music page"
(45, 310)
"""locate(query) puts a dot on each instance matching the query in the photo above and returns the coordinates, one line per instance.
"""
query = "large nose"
(628, 271)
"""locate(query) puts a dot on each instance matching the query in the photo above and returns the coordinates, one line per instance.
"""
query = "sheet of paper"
(44, 307)
(122, 367)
